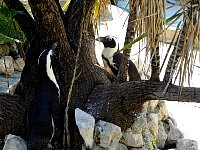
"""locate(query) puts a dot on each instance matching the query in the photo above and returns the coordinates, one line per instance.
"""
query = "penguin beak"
(53, 46)
(101, 39)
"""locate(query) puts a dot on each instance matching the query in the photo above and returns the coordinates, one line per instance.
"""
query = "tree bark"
(12, 115)
(130, 35)
(116, 103)
(120, 103)
(175, 55)
(155, 61)
(92, 87)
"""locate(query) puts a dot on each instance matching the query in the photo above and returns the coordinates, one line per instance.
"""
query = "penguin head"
(109, 41)
(45, 66)
(111, 46)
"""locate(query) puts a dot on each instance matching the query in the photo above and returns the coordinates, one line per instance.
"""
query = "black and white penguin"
(44, 118)
(112, 58)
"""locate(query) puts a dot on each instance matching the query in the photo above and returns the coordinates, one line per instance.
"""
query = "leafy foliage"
(9, 29)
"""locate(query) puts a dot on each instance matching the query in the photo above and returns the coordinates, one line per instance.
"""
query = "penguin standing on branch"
(112, 58)
(44, 117)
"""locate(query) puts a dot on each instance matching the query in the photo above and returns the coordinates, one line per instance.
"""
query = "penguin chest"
(107, 67)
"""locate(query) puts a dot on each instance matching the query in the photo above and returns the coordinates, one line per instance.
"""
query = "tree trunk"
(181, 45)
(155, 61)
(175, 55)
(92, 88)
(12, 115)
(130, 35)
(90, 74)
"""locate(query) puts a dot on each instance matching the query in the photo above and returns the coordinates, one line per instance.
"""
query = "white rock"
(138, 125)
(13, 142)
(161, 137)
(7, 67)
(173, 120)
(186, 144)
(121, 147)
(131, 139)
(174, 133)
(145, 107)
(152, 120)
(107, 135)
(163, 112)
(19, 64)
(85, 123)
(152, 105)
(148, 139)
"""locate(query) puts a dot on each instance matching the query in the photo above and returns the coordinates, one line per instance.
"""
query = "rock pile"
(10, 60)
(152, 129)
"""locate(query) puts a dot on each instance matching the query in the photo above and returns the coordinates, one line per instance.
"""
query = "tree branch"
(116, 101)
(25, 21)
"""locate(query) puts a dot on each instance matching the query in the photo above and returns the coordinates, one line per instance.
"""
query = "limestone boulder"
(85, 123)
(163, 112)
(152, 120)
(148, 139)
(121, 147)
(138, 124)
(13, 142)
(19, 64)
(186, 144)
(174, 133)
(162, 136)
(152, 105)
(132, 140)
(6, 65)
(107, 135)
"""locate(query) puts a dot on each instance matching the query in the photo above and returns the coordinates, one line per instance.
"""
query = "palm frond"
(64, 7)
(140, 37)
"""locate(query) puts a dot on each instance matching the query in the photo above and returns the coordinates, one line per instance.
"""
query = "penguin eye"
(109, 38)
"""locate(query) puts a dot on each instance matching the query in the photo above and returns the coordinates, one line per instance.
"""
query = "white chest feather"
(108, 53)
(50, 70)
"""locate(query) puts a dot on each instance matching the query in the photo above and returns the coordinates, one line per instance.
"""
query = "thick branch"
(119, 103)
(25, 21)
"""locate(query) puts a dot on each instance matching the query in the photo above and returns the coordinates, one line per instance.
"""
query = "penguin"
(44, 117)
(111, 57)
